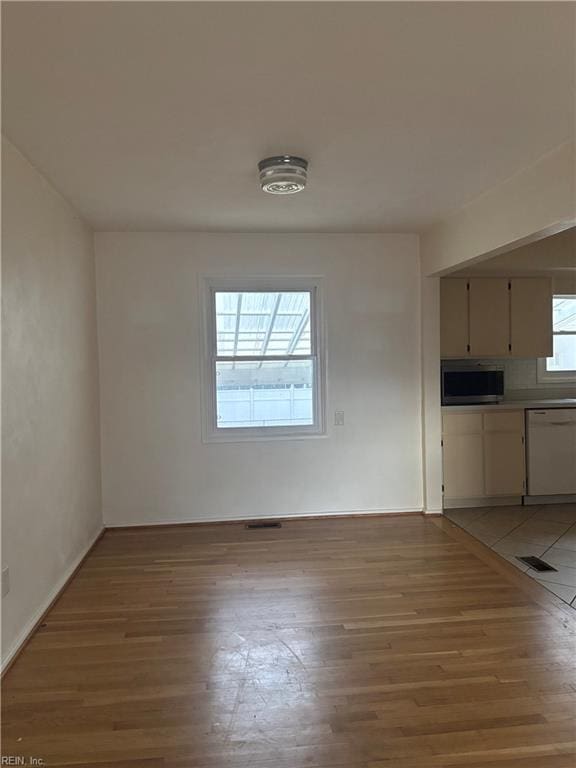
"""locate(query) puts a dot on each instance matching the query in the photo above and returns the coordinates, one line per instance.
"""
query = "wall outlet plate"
(5, 581)
(339, 418)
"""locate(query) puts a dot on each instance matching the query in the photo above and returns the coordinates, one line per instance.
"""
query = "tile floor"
(547, 531)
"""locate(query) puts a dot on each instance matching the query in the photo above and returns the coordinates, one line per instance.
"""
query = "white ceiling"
(152, 115)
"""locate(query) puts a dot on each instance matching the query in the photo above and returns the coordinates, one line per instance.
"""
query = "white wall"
(156, 467)
(50, 438)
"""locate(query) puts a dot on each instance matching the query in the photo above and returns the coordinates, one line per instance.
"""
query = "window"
(561, 366)
(263, 357)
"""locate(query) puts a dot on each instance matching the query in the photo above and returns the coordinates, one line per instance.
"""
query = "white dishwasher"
(551, 458)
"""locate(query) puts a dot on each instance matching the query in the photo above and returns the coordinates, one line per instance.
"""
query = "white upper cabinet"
(489, 317)
(495, 317)
(454, 318)
(531, 317)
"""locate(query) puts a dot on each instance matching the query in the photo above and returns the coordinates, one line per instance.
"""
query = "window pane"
(258, 323)
(264, 394)
(564, 354)
(564, 313)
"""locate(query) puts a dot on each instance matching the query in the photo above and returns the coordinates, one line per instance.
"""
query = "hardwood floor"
(364, 643)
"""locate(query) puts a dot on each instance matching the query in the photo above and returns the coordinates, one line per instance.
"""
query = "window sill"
(553, 378)
(230, 437)
(560, 379)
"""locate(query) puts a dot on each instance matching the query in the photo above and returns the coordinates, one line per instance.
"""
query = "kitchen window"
(264, 362)
(561, 367)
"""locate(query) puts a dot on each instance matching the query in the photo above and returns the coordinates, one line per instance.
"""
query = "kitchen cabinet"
(454, 318)
(504, 454)
(489, 313)
(531, 317)
(483, 455)
(504, 465)
(463, 456)
(484, 317)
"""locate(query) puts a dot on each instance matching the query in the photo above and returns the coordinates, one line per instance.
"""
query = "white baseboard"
(22, 636)
(432, 511)
(241, 517)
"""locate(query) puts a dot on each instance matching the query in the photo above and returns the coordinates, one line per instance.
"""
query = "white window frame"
(556, 377)
(209, 287)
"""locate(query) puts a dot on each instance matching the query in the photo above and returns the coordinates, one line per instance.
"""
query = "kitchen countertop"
(514, 405)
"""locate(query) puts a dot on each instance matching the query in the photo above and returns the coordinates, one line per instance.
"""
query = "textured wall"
(51, 506)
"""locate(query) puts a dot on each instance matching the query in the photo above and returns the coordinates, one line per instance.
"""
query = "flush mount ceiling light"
(283, 174)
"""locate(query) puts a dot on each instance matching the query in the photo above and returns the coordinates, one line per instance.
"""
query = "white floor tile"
(558, 556)
(486, 537)
(566, 593)
(562, 575)
(568, 540)
(513, 545)
(505, 517)
(560, 513)
(544, 532)
(493, 527)
(464, 517)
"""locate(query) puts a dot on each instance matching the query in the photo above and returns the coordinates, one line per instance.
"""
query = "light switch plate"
(339, 418)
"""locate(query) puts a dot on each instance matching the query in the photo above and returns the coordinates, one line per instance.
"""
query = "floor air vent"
(263, 524)
(536, 563)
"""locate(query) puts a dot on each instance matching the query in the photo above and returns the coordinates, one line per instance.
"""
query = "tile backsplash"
(521, 382)
(522, 374)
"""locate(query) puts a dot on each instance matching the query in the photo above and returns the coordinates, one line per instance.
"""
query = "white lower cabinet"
(463, 466)
(483, 455)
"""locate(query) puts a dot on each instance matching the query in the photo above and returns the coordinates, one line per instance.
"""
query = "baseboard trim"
(280, 518)
(26, 634)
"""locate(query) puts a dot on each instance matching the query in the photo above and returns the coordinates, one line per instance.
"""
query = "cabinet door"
(463, 466)
(453, 317)
(531, 317)
(489, 317)
(462, 454)
(504, 465)
(504, 454)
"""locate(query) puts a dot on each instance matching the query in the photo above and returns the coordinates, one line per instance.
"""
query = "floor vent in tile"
(536, 563)
(263, 524)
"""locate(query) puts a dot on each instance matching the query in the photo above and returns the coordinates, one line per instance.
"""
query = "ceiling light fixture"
(283, 174)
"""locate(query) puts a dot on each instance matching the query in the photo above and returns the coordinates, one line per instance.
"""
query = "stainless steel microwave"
(470, 384)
